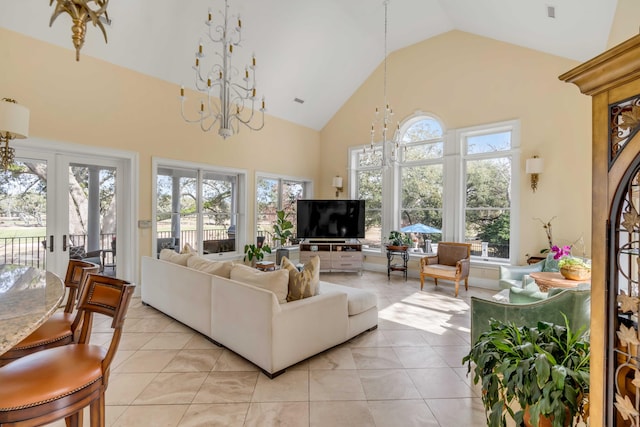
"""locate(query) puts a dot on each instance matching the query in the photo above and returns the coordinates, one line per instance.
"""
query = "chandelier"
(14, 123)
(81, 12)
(383, 120)
(228, 95)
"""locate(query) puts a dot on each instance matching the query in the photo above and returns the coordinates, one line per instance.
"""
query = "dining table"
(28, 297)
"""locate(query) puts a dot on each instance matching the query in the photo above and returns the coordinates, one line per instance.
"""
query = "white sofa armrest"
(306, 327)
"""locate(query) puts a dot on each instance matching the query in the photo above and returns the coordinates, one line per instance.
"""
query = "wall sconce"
(535, 166)
(14, 123)
(337, 183)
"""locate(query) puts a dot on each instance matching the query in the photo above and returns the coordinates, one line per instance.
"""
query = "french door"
(55, 205)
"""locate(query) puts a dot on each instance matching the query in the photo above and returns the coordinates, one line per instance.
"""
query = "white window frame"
(306, 182)
(454, 200)
(514, 153)
(241, 208)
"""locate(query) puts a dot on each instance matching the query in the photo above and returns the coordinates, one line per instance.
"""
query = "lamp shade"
(14, 119)
(337, 182)
(535, 165)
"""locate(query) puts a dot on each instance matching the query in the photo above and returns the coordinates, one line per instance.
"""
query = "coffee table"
(546, 280)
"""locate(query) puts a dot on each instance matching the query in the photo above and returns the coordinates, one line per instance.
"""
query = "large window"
(422, 180)
(198, 206)
(274, 194)
(455, 186)
(367, 167)
(487, 162)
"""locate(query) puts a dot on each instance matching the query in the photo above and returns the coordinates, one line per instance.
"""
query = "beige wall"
(95, 103)
(468, 80)
(625, 22)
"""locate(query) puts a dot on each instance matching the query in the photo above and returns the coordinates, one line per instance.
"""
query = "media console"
(335, 255)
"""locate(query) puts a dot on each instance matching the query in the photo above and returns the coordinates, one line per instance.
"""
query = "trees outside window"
(459, 182)
(274, 194)
(198, 206)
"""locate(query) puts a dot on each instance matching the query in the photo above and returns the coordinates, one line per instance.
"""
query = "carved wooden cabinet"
(613, 81)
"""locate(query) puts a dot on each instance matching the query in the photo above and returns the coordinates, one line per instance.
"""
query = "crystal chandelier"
(383, 120)
(228, 95)
(81, 12)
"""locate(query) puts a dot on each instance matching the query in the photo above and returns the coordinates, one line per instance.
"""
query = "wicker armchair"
(452, 262)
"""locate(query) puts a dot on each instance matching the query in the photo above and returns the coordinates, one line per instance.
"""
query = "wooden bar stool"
(57, 330)
(59, 382)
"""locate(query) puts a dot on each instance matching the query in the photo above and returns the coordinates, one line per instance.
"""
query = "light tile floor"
(408, 372)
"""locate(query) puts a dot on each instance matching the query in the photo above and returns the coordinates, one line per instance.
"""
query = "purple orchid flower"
(561, 252)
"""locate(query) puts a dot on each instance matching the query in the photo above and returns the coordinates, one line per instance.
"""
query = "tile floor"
(408, 372)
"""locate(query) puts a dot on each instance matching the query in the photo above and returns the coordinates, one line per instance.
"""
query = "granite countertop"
(28, 297)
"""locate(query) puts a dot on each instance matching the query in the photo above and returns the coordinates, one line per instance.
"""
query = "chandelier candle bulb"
(181, 90)
(239, 22)
(209, 16)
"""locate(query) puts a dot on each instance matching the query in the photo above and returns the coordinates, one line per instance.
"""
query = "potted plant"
(398, 240)
(572, 268)
(254, 253)
(282, 232)
(534, 375)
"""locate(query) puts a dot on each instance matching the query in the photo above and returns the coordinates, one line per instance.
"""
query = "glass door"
(92, 208)
(24, 235)
(56, 206)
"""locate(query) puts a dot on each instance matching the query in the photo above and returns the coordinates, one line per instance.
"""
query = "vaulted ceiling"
(319, 51)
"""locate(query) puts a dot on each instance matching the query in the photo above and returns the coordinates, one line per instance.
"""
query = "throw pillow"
(77, 252)
(551, 264)
(187, 249)
(302, 284)
(217, 268)
(275, 281)
(171, 256)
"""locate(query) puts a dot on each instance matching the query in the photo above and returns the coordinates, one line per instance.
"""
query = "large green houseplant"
(543, 369)
(254, 253)
(282, 232)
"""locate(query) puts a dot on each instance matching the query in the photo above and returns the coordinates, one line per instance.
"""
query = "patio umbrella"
(419, 228)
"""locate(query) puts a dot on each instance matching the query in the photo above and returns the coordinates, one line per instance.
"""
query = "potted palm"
(282, 232)
(537, 376)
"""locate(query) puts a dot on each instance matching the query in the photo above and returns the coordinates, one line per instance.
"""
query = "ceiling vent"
(551, 11)
(298, 100)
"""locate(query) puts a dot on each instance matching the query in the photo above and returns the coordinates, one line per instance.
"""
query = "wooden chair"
(57, 330)
(452, 262)
(59, 382)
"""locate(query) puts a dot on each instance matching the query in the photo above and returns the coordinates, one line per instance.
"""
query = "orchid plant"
(563, 254)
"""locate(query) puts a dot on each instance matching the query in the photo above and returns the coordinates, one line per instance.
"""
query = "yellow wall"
(625, 22)
(95, 103)
(467, 80)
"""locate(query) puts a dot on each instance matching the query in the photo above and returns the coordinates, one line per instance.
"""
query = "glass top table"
(28, 297)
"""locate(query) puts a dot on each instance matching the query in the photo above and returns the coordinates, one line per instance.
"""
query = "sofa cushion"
(176, 258)
(302, 284)
(275, 281)
(530, 293)
(358, 300)
(440, 270)
(217, 268)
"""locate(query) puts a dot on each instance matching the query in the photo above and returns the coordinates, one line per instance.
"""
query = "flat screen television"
(330, 219)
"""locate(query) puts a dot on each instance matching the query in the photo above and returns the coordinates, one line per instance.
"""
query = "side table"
(547, 280)
(403, 254)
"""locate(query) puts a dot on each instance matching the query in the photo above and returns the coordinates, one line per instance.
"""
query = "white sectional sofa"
(250, 321)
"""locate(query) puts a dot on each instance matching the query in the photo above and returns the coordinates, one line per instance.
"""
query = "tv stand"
(335, 255)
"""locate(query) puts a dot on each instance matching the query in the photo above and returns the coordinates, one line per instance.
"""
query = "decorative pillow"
(187, 249)
(171, 256)
(302, 284)
(275, 281)
(551, 264)
(77, 252)
(217, 268)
